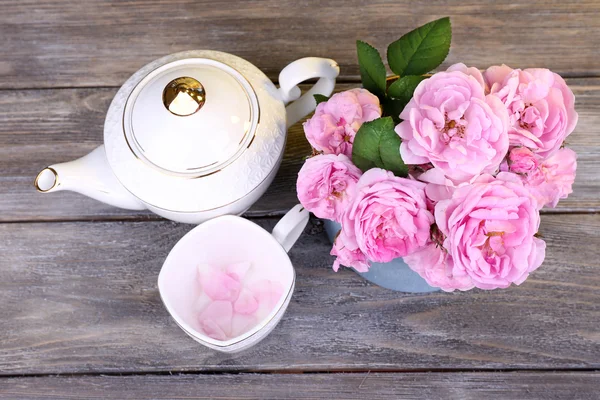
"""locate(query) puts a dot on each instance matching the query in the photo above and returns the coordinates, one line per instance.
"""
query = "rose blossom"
(548, 180)
(336, 121)
(559, 170)
(326, 183)
(388, 217)
(473, 71)
(522, 161)
(489, 228)
(451, 123)
(349, 258)
(439, 187)
(541, 106)
(434, 264)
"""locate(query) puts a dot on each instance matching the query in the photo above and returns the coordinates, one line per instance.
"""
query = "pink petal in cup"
(228, 322)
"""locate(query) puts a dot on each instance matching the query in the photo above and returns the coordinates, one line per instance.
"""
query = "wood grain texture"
(360, 386)
(78, 278)
(82, 297)
(53, 43)
(43, 127)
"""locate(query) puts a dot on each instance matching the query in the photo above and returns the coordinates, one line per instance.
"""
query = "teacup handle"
(300, 70)
(290, 227)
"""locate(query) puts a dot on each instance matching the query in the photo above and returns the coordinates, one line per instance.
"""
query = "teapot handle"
(299, 71)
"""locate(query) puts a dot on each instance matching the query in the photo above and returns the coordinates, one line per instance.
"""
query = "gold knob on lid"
(184, 96)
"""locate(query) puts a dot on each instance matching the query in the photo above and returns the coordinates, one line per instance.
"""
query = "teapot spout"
(89, 175)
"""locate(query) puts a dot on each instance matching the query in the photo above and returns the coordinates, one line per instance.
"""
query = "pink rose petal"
(215, 320)
(267, 292)
(246, 303)
(241, 324)
(351, 258)
(217, 284)
(434, 264)
(238, 270)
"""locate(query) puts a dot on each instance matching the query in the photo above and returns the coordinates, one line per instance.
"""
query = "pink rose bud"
(332, 128)
(521, 160)
(489, 229)
(350, 258)
(452, 124)
(326, 184)
(541, 106)
(388, 217)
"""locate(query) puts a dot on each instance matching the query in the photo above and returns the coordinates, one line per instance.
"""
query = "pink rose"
(559, 171)
(388, 217)
(548, 180)
(522, 161)
(435, 265)
(326, 183)
(336, 121)
(489, 228)
(473, 71)
(451, 123)
(350, 258)
(439, 187)
(541, 106)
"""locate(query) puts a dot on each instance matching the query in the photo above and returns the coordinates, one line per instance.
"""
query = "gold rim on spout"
(36, 183)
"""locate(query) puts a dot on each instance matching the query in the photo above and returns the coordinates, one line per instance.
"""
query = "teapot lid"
(191, 117)
(137, 160)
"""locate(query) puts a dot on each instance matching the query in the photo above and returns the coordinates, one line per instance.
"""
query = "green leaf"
(376, 145)
(399, 94)
(372, 70)
(319, 98)
(393, 108)
(403, 88)
(421, 50)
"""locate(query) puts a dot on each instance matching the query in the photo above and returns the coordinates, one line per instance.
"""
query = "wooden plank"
(360, 386)
(82, 298)
(53, 43)
(43, 127)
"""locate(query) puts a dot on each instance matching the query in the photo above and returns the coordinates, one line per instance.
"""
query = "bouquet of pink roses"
(448, 171)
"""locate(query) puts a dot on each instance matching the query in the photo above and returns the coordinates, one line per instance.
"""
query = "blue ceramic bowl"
(394, 275)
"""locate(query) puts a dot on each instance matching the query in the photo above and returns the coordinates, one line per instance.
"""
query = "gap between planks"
(155, 217)
(309, 372)
(353, 79)
(342, 80)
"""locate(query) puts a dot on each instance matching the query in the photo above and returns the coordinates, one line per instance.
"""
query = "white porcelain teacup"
(228, 240)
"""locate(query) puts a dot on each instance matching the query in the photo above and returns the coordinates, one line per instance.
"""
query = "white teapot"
(193, 135)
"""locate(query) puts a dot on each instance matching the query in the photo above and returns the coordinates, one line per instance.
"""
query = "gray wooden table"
(80, 315)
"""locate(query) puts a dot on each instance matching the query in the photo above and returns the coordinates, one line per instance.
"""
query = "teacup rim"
(195, 334)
